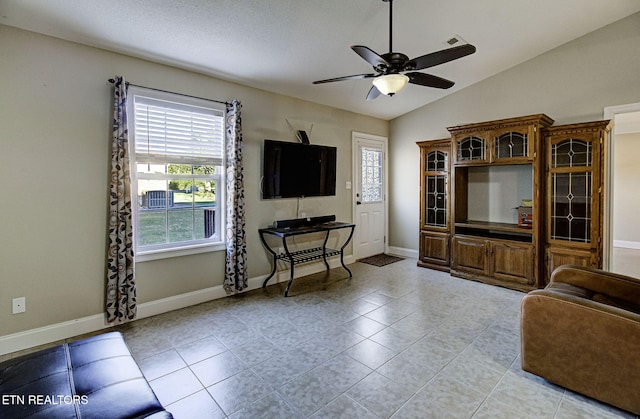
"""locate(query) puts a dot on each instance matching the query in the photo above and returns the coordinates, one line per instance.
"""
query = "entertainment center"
(506, 201)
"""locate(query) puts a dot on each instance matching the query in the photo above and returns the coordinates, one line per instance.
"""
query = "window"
(371, 174)
(177, 171)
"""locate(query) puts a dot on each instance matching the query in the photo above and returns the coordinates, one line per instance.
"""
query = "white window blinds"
(168, 132)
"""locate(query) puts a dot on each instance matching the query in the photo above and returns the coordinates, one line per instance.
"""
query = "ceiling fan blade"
(429, 80)
(353, 77)
(440, 57)
(370, 56)
(373, 93)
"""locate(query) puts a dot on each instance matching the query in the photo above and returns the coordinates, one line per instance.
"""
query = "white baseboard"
(51, 333)
(626, 244)
(400, 251)
(60, 331)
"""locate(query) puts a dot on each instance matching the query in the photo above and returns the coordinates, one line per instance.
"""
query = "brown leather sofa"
(582, 332)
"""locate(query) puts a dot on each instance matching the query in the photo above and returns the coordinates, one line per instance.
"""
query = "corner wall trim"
(68, 329)
(626, 244)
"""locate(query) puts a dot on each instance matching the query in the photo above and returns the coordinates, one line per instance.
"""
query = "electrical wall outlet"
(19, 305)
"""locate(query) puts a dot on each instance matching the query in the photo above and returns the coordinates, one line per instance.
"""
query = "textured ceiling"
(284, 45)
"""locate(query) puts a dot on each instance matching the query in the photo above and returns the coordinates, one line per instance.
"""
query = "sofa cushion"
(90, 378)
(617, 302)
(570, 290)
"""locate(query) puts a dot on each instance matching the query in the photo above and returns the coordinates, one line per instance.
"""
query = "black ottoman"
(90, 378)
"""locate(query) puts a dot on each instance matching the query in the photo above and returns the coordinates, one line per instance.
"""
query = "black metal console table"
(289, 228)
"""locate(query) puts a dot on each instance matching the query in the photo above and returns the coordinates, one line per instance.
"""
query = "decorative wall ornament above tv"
(301, 135)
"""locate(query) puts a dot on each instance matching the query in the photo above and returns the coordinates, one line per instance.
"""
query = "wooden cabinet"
(495, 167)
(504, 141)
(434, 250)
(435, 158)
(470, 185)
(574, 193)
(494, 261)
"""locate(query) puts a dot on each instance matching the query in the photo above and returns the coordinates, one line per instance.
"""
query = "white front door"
(370, 173)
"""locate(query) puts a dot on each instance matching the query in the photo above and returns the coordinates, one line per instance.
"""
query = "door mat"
(380, 260)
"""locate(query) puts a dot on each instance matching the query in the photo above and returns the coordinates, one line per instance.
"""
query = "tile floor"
(397, 341)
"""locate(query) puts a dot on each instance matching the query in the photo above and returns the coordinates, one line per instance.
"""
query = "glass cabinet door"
(471, 148)
(436, 201)
(571, 190)
(436, 161)
(511, 144)
(435, 189)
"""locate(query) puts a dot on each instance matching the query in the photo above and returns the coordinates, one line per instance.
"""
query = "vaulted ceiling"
(283, 45)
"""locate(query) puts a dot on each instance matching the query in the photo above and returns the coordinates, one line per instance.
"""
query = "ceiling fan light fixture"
(390, 84)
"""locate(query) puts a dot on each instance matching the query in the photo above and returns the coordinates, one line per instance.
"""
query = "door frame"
(355, 163)
(610, 112)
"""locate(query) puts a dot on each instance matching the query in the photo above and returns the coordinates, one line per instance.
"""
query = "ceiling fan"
(393, 70)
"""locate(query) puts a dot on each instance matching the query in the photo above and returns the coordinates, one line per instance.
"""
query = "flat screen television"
(296, 170)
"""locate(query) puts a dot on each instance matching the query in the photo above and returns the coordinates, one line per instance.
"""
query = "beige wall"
(572, 83)
(503, 189)
(54, 156)
(626, 199)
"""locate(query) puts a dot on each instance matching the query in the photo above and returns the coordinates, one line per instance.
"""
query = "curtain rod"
(112, 81)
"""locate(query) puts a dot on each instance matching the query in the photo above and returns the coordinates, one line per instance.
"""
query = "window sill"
(183, 251)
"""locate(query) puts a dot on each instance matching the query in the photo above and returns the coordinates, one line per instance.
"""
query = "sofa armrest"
(598, 281)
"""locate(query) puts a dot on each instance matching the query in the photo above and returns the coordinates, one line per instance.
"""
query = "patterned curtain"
(235, 278)
(121, 287)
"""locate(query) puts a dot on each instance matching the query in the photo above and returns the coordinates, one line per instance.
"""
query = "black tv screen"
(295, 170)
